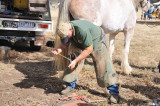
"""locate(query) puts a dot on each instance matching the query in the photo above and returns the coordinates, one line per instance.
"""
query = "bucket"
(4, 52)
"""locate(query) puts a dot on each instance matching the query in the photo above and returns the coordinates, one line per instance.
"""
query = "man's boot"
(114, 99)
(114, 94)
(70, 87)
(67, 91)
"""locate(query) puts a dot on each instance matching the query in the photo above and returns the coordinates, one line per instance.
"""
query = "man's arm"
(82, 56)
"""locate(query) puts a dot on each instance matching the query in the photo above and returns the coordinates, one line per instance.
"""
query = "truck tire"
(33, 47)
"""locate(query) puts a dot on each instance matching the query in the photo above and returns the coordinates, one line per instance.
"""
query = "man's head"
(64, 31)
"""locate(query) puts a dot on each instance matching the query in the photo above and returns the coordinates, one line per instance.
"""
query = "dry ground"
(28, 79)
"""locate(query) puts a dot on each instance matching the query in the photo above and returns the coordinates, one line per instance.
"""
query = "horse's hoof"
(127, 71)
(156, 70)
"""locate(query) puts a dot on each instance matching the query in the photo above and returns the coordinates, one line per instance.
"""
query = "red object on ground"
(73, 100)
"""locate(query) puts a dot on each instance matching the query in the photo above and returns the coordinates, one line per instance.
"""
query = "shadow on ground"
(149, 91)
(134, 66)
(157, 81)
(39, 74)
(137, 102)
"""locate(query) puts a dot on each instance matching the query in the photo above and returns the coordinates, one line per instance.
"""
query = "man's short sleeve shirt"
(84, 33)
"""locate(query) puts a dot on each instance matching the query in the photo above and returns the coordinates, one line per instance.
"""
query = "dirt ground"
(28, 78)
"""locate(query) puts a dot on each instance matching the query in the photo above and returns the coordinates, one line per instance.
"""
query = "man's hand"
(82, 56)
(56, 51)
(72, 64)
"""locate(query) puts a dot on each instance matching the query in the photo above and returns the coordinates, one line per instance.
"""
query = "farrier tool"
(65, 57)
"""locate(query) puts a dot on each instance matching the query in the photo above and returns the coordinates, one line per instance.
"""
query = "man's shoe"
(67, 91)
(114, 99)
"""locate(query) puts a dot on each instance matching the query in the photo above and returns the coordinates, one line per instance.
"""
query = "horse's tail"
(63, 16)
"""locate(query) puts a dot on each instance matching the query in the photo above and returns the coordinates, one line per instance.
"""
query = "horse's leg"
(111, 44)
(125, 65)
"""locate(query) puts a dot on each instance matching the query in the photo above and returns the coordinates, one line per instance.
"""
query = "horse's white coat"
(113, 16)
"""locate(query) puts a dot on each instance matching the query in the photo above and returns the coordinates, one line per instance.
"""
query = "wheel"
(50, 44)
(33, 47)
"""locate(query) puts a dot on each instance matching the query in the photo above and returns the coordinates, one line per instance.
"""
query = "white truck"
(25, 20)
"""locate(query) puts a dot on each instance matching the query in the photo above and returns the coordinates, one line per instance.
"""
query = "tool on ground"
(73, 100)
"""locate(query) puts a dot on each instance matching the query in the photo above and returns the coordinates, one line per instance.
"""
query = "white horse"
(113, 16)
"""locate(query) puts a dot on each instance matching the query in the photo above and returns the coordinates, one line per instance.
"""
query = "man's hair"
(63, 29)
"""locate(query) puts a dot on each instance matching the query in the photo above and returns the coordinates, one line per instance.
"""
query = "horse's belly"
(111, 27)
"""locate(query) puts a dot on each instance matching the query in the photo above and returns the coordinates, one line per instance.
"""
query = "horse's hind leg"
(125, 65)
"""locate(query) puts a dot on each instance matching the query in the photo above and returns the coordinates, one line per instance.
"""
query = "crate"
(38, 5)
(20, 4)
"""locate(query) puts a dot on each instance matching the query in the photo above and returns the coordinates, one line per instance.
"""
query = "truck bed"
(20, 17)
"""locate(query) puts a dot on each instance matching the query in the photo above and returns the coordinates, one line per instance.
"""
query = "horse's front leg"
(111, 44)
(125, 64)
